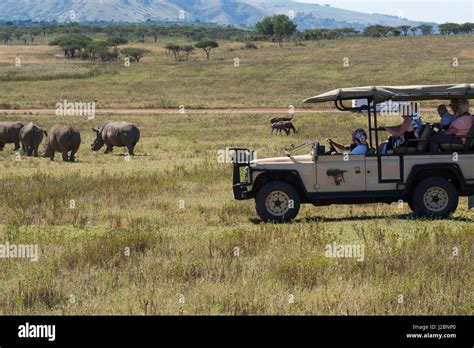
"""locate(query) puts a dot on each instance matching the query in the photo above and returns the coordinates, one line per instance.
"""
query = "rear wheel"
(277, 201)
(435, 197)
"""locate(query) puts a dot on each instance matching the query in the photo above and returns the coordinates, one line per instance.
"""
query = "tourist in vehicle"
(458, 130)
(410, 129)
(357, 147)
(447, 117)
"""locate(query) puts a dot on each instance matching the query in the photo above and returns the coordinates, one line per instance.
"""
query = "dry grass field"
(161, 234)
(267, 77)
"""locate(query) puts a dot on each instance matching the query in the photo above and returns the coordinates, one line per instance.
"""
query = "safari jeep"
(430, 183)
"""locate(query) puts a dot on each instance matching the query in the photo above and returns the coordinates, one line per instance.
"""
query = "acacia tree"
(135, 53)
(72, 43)
(117, 41)
(277, 27)
(449, 28)
(96, 49)
(377, 30)
(414, 30)
(426, 29)
(207, 46)
(404, 29)
(187, 51)
(466, 28)
(173, 48)
(395, 31)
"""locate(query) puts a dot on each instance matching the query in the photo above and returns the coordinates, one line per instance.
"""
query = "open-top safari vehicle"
(430, 183)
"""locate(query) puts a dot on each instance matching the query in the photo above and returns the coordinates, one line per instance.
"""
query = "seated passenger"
(357, 147)
(446, 117)
(410, 129)
(458, 130)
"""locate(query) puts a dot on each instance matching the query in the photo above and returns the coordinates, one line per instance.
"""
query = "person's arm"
(398, 131)
(392, 130)
(337, 145)
(451, 131)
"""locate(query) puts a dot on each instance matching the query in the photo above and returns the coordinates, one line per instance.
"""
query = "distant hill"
(244, 13)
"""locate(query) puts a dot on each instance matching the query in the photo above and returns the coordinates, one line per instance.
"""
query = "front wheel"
(435, 197)
(277, 201)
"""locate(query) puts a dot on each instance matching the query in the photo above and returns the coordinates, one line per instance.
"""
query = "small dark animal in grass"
(10, 134)
(62, 139)
(280, 119)
(120, 134)
(286, 126)
(31, 137)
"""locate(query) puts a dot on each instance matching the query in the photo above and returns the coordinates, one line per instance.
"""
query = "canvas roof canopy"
(380, 94)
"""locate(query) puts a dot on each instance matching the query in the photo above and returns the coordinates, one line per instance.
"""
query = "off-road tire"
(435, 198)
(267, 198)
(411, 204)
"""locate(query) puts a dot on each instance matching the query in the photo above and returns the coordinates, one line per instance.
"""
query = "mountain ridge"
(244, 13)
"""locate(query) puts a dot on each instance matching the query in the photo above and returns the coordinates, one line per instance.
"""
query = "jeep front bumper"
(239, 187)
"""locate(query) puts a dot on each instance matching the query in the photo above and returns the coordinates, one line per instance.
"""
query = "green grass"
(267, 77)
(190, 251)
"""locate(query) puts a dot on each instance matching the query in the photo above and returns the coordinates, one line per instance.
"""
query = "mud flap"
(470, 202)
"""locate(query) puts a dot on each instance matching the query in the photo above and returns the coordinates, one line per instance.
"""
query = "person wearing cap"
(357, 147)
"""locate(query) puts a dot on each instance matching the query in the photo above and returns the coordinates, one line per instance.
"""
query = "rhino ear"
(95, 130)
(45, 133)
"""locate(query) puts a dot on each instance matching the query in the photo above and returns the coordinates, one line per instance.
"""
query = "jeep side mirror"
(315, 151)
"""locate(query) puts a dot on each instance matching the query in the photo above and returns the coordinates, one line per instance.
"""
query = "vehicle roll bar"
(341, 107)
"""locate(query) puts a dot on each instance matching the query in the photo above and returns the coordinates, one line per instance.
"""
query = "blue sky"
(440, 11)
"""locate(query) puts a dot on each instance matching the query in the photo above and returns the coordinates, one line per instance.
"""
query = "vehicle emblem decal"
(338, 175)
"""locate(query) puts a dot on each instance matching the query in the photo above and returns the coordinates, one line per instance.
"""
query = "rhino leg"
(29, 151)
(109, 149)
(72, 158)
(130, 150)
(17, 145)
(2, 145)
(65, 157)
(51, 155)
(35, 151)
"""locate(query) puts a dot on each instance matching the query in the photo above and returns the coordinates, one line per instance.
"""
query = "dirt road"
(165, 111)
(270, 111)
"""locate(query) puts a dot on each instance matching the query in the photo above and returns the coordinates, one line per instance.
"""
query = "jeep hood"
(280, 162)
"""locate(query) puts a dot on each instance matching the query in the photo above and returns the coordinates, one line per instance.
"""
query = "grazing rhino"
(31, 137)
(62, 139)
(120, 134)
(10, 134)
